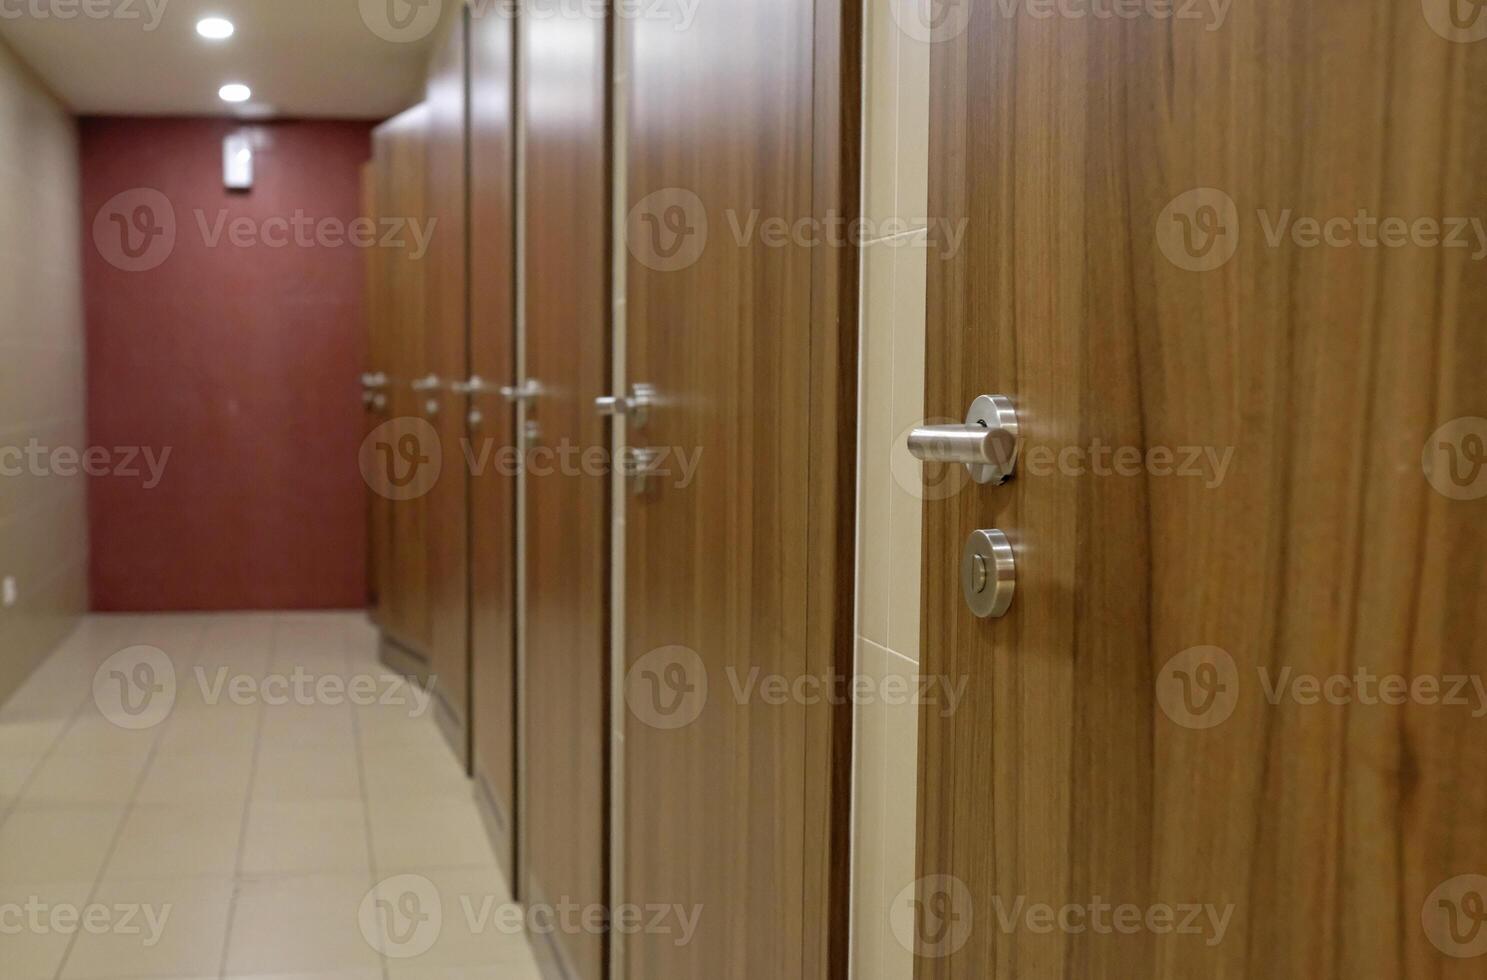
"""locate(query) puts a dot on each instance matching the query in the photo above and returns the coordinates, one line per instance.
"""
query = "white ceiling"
(302, 58)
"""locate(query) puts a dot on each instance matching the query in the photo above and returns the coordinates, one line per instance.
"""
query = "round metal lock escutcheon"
(988, 574)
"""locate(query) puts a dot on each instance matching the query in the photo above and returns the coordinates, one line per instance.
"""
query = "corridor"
(743, 490)
(230, 815)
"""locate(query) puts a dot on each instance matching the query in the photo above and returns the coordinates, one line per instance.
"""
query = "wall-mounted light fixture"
(237, 161)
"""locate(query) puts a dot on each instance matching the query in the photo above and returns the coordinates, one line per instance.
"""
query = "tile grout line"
(118, 835)
(46, 757)
(366, 802)
(237, 871)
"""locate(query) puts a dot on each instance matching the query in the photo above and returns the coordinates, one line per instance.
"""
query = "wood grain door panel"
(1119, 739)
(381, 359)
(493, 487)
(738, 564)
(448, 342)
(400, 160)
(565, 112)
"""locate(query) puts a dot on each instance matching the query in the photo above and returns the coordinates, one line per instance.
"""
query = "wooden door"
(400, 160)
(493, 430)
(738, 554)
(448, 344)
(1162, 250)
(380, 363)
(564, 107)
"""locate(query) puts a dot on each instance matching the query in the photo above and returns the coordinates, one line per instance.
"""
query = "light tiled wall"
(890, 511)
(43, 519)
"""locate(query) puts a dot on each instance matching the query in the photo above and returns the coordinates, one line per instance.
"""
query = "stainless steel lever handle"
(524, 392)
(638, 406)
(373, 381)
(430, 385)
(988, 442)
(475, 386)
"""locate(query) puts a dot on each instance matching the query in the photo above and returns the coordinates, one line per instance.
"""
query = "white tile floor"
(238, 837)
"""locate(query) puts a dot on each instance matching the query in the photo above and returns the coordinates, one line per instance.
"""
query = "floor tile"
(306, 836)
(57, 843)
(14, 771)
(179, 930)
(474, 928)
(415, 970)
(228, 731)
(299, 924)
(105, 776)
(29, 737)
(34, 941)
(428, 832)
(182, 777)
(317, 975)
(421, 768)
(92, 735)
(313, 730)
(290, 774)
(178, 840)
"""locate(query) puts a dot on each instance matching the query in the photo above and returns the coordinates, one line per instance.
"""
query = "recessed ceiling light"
(215, 28)
(235, 93)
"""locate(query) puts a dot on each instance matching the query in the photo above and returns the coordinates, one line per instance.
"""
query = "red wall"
(242, 360)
